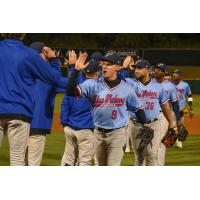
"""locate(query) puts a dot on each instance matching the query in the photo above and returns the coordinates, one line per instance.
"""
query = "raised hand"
(72, 57)
(131, 67)
(80, 63)
(127, 61)
(57, 52)
(49, 53)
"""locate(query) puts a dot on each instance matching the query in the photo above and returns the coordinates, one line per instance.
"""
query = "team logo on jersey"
(144, 94)
(108, 101)
(181, 91)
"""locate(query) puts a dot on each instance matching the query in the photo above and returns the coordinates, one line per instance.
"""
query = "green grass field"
(188, 156)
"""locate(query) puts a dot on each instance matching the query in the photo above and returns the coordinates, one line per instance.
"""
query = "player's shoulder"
(155, 83)
(93, 82)
(157, 86)
(124, 82)
(169, 83)
(184, 83)
(130, 80)
(30, 53)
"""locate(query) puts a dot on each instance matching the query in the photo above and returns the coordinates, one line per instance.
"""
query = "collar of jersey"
(109, 87)
(143, 84)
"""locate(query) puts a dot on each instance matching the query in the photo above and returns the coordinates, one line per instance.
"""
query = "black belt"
(106, 130)
(150, 121)
(78, 129)
(147, 122)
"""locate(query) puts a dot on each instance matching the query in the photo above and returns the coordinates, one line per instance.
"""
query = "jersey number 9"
(114, 114)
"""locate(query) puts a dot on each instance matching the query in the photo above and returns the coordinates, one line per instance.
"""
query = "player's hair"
(19, 36)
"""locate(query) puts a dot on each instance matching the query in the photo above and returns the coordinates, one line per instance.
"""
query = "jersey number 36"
(150, 106)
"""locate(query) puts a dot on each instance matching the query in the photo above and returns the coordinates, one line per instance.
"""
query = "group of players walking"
(101, 107)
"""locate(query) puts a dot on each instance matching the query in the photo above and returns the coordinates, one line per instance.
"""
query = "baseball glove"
(188, 112)
(146, 135)
(170, 138)
(182, 133)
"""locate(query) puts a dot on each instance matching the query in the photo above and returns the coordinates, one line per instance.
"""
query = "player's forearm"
(141, 116)
(167, 113)
(176, 110)
(72, 84)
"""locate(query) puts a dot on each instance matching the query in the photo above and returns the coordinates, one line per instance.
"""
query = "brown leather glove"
(170, 138)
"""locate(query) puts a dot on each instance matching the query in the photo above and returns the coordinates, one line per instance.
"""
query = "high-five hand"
(80, 63)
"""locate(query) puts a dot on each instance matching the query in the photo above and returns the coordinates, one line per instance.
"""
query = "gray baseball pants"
(79, 148)
(154, 154)
(18, 132)
(110, 147)
(35, 150)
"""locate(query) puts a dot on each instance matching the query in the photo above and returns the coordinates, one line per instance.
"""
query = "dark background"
(114, 40)
(171, 48)
(117, 40)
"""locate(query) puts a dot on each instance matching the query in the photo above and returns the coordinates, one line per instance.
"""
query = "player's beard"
(140, 78)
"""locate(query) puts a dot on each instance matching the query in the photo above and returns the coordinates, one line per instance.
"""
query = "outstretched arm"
(72, 89)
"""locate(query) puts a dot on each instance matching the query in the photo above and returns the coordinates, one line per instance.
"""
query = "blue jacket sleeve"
(123, 74)
(65, 106)
(49, 73)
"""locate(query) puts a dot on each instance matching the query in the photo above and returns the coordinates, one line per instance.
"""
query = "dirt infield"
(56, 122)
(193, 125)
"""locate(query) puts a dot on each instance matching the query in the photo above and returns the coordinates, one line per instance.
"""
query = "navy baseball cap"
(112, 57)
(178, 72)
(92, 67)
(162, 66)
(38, 46)
(96, 56)
(142, 63)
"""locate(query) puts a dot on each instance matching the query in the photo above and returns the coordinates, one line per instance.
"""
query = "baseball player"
(160, 70)
(155, 101)
(20, 67)
(111, 97)
(184, 94)
(122, 74)
(44, 97)
(77, 119)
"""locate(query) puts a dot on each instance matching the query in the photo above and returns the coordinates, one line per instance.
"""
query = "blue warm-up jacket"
(20, 66)
(44, 97)
(77, 112)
